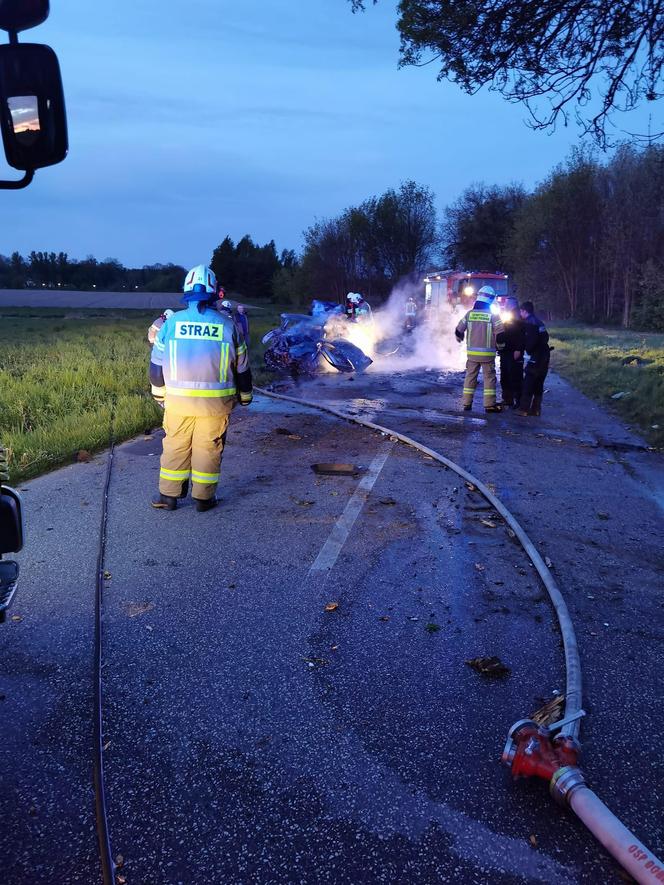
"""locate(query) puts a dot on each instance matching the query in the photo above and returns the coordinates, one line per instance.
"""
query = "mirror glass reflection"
(25, 118)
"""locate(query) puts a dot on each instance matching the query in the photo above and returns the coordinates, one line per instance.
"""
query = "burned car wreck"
(308, 344)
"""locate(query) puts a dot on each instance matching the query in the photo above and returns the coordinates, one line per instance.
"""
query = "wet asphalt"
(253, 736)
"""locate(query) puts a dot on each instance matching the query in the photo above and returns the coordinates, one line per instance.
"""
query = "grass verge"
(597, 361)
(64, 373)
(62, 376)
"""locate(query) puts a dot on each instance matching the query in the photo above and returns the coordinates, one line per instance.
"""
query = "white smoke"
(430, 345)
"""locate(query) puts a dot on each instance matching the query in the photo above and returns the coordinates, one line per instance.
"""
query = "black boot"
(524, 406)
(207, 504)
(536, 407)
(164, 502)
(508, 399)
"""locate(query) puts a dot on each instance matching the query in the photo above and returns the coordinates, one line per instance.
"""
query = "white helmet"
(227, 304)
(200, 281)
(489, 291)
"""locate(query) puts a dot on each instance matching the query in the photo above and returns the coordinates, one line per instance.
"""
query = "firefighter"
(484, 334)
(225, 308)
(538, 351)
(158, 393)
(511, 356)
(411, 314)
(158, 323)
(202, 362)
(352, 301)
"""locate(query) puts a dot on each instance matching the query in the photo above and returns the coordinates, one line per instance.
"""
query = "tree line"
(248, 268)
(370, 247)
(367, 248)
(586, 244)
(53, 270)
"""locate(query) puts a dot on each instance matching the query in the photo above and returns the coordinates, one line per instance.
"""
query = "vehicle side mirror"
(11, 521)
(19, 15)
(32, 106)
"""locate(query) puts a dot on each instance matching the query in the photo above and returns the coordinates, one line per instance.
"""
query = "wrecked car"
(309, 344)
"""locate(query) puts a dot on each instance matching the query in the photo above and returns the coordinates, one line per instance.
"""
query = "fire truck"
(459, 288)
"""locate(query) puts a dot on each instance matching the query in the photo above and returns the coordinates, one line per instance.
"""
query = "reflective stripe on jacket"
(481, 328)
(153, 331)
(200, 355)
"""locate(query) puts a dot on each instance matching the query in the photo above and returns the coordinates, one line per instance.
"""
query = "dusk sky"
(190, 121)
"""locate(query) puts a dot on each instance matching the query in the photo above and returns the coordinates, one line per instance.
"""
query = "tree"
(649, 313)
(17, 271)
(556, 238)
(634, 210)
(163, 277)
(247, 268)
(223, 263)
(404, 237)
(594, 59)
(333, 256)
(478, 226)
(290, 282)
(370, 247)
(255, 267)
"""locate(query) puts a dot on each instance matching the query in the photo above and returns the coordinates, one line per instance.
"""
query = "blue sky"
(190, 121)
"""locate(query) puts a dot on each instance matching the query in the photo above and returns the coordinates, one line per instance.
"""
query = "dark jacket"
(243, 323)
(515, 336)
(536, 338)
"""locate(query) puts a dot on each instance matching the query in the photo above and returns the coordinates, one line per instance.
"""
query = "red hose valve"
(531, 751)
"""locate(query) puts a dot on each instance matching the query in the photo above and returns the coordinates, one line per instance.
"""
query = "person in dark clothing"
(243, 322)
(511, 356)
(538, 350)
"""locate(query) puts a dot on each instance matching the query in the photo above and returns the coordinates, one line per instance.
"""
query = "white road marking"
(331, 549)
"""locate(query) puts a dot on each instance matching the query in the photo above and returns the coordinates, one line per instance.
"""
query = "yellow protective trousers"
(192, 447)
(473, 367)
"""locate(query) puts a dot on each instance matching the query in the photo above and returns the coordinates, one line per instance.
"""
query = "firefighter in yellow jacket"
(485, 334)
(202, 362)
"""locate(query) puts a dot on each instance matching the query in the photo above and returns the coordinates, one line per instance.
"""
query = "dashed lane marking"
(331, 549)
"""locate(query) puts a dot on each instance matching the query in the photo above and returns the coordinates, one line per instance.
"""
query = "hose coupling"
(564, 782)
(531, 751)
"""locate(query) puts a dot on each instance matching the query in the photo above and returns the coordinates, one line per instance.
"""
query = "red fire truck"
(459, 288)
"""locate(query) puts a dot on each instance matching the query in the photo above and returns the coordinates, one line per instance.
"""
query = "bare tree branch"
(595, 58)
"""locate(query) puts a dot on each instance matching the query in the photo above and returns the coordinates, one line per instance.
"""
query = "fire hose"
(533, 750)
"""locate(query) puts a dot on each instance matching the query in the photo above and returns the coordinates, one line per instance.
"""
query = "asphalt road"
(253, 736)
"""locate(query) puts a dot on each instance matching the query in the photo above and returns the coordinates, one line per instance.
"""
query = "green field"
(597, 361)
(64, 374)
